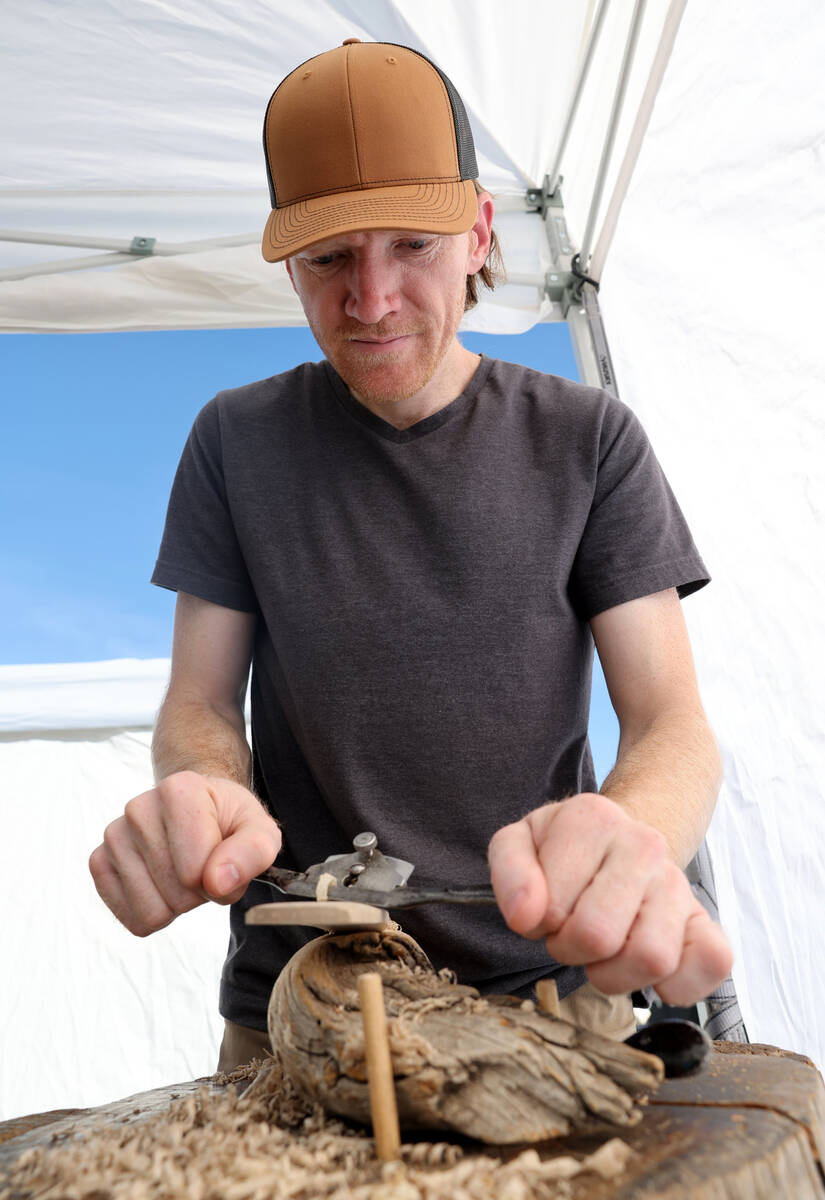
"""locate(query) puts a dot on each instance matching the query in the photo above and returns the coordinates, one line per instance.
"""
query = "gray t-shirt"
(423, 657)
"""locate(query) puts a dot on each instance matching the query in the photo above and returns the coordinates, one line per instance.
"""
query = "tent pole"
(581, 80)
(64, 264)
(634, 145)
(123, 251)
(612, 129)
(124, 246)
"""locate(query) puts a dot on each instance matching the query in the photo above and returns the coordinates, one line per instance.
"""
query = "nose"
(373, 289)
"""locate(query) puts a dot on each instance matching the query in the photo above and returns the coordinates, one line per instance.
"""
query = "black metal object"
(681, 1045)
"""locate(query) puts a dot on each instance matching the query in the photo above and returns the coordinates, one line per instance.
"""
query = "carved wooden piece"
(320, 914)
(491, 1069)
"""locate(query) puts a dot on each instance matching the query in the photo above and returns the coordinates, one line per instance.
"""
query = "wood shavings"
(323, 885)
(264, 1144)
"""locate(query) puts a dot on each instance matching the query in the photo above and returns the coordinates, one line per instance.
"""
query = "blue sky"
(93, 425)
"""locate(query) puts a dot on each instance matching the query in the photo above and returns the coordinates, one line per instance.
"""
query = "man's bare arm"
(200, 726)
(668, 770)
(200, 833)
(599, 876)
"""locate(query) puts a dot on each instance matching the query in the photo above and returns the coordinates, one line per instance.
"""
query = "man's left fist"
(601, 890)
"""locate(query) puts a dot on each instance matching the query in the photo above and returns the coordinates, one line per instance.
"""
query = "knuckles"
(261, 844)
(722, 964)
(501, 839)
(180, 792)
(594, 810)
(650, 843)
(555, 916)
(114, 836)
(97, 863)
(658, 962)
(150, 924)
(138, 812)
(595, 941)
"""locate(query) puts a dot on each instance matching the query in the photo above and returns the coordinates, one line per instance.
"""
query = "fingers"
(251, 842)
(125, 885)
(190, 839)
(652, 948)
(706, 960)
(188, 829)
(144, 845)
(109, 888)
(541, 865)
(634, 876)
(218, 834)
(684, 963)
(518, 880)
(602, 890)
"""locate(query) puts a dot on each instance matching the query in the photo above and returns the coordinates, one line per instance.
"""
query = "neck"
(453, 374)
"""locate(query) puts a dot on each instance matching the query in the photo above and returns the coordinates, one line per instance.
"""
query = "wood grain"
(492, 1069)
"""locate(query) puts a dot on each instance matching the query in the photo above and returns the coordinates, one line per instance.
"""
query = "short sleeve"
(636, 540)
(199, 552)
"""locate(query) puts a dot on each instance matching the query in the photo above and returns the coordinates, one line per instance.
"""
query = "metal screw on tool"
(365, 844)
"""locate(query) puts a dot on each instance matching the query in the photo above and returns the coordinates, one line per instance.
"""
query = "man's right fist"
(190, 839)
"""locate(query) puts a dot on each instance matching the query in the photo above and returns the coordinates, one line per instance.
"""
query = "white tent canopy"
(143, 119)
(167, 144)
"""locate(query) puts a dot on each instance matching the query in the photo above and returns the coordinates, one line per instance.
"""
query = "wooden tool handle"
(383, 1105)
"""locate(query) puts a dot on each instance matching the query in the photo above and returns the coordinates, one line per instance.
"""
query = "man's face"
(384, 306)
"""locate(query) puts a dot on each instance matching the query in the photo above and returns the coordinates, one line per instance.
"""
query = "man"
(416, 549)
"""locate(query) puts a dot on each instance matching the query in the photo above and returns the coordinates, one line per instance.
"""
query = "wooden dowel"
(379, 1068)
(547, 995)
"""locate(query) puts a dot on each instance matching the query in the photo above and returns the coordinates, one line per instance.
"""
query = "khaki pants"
(610, 1016)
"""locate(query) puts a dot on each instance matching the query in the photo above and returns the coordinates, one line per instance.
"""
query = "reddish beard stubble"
(387, 377)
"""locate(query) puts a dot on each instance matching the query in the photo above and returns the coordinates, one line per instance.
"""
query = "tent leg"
(721, 1017)
(590, 348)
(719, 1012)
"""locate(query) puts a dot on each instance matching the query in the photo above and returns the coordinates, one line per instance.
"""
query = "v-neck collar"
(421, 428)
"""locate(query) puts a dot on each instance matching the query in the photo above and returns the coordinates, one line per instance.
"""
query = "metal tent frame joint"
(541, 199)
(580, 277)
(142, 246)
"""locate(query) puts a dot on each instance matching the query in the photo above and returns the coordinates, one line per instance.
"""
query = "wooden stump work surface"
(751, 1126)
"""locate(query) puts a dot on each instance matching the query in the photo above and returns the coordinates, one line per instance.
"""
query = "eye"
(322, 260)
(417, 243)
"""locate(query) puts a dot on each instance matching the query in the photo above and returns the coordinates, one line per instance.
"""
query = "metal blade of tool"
(369, 877)
(299, 883)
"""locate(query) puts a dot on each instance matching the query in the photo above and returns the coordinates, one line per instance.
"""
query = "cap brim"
(424, 207)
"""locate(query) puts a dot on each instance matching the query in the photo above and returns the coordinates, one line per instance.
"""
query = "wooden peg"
(547, 995)
(383, 1106)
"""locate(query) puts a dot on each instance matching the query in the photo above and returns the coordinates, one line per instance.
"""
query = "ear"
(480, 234)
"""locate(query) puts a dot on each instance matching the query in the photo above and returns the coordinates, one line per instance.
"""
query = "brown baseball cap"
(367, 136)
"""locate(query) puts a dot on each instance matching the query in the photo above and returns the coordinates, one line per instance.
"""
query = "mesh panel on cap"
(467, 166)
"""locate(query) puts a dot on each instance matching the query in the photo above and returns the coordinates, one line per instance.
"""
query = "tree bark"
(496, 1068)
